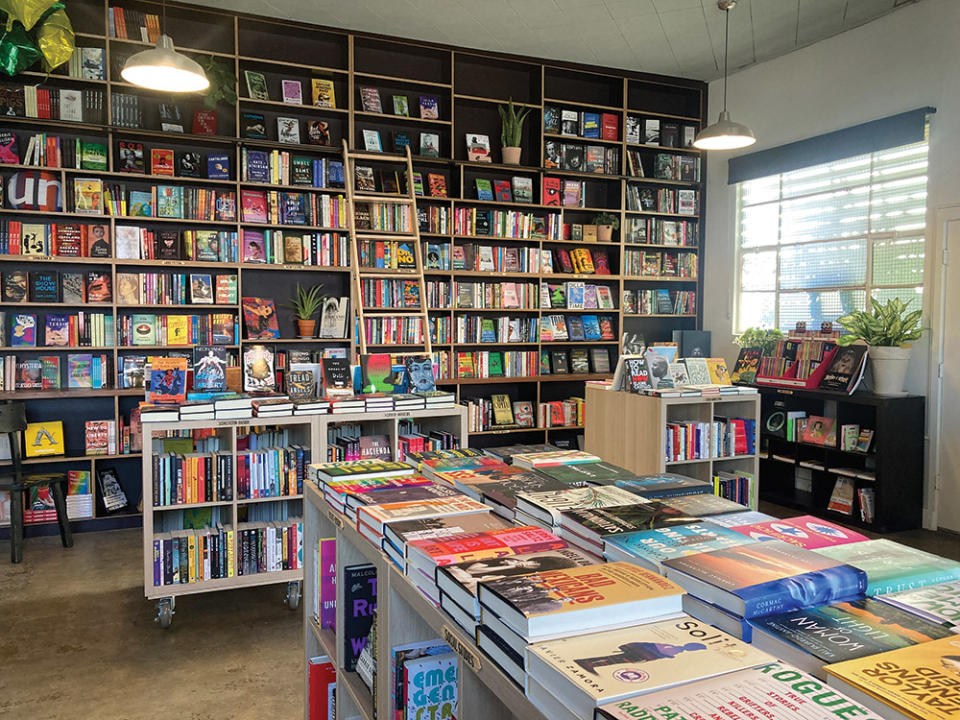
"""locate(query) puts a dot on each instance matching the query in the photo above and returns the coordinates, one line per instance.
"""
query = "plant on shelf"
(606, 223)
(511, 132)
(763, 338)
(888, 330)
(223, 83)
(306, 304)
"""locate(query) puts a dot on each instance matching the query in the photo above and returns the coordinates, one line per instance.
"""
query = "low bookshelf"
(632, 431)
(803, 475)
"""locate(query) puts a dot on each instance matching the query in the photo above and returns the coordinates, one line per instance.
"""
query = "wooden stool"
(13, 421)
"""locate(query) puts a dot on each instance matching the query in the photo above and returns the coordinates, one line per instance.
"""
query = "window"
(814, 244)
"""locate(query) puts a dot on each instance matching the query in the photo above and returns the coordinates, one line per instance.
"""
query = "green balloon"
(17, 50)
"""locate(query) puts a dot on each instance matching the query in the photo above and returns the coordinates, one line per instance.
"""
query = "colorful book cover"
(23, 332)
(771, 577)
(847, 630)
(619, 664)
(328, 583)
(492, 543)
(376, 372)
(57, 330)
(938, 603)
(258, 369)
(665, 485)
(549, 504)
(375, 516)
(359, 605)
(773, 691)
(891, 567)
(209, 368)
(43, 438)
(921, 681)
(79, 369)
(805, 531)
(618, 519)
(654, 547)
(469, 573)
(432, 685)
(260, 318)
(168, 380)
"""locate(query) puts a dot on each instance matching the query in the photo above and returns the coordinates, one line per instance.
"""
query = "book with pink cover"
(805, 531)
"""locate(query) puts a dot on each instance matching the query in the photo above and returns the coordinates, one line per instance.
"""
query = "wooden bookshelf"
(468, 84)
(630, 430)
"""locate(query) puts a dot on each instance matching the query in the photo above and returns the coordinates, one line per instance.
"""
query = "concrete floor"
(78, 640)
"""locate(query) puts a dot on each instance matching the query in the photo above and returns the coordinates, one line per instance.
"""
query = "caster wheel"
(292, 599)
(164, 613)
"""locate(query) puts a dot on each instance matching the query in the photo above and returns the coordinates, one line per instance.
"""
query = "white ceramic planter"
(889, 368)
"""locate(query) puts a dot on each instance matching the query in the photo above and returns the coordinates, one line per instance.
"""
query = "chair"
(13, 421)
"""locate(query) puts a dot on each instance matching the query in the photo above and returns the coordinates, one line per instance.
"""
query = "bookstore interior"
(399, 346)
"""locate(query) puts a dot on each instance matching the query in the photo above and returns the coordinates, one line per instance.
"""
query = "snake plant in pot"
(887, 330)
(511, 132)
(305, 304)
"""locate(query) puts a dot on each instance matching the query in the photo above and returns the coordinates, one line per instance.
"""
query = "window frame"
(868, 237)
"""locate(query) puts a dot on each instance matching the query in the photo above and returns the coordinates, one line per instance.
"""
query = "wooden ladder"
(358, 273)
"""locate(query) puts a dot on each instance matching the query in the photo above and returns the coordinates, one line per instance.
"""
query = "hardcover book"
(763, 578)
(324, 93)
(891, 567)
(435, 552)
(590, 670)
(598, 524)
(918, 682)
(376, 373)
(260, 318)
(805, 531)
(651, 548)
(258, 369)
(810, 638)
(938, 603)
(256, 85)
(376, 516)
(432, 686)
(360, 606)
(665, 485)
(579, 598)
(168, 380)
(209, 368)
(781, 691)
(547, 506)
(704, 505)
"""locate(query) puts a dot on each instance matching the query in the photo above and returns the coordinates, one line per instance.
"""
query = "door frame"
(937, 284)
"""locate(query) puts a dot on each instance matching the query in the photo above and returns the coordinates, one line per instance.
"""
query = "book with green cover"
(891, 567)
(93, 156)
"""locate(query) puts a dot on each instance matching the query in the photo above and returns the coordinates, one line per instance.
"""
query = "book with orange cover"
(475, 546)
(375, 516)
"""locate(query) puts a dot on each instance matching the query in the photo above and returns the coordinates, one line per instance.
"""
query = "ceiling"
(672, 37)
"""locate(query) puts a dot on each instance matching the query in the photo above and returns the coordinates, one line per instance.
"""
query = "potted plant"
(887, 330)
(606, 223)
(305, 304)
(763, 338)
(511, 132)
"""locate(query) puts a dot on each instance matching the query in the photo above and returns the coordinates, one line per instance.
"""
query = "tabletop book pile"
(610, 595)
(329, 386)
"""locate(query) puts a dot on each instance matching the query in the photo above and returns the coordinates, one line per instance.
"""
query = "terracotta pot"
(889, 368)
(305, 328)
(604, 233)
(511, 155)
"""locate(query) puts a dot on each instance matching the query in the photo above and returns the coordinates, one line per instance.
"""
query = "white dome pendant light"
(725, 134)
(163, 68)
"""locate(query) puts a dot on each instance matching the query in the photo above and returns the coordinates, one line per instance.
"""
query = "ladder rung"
(383, 157)
(388, 197)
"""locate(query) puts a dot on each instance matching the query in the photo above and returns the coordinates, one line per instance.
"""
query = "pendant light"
(163, 68)
(725, 134)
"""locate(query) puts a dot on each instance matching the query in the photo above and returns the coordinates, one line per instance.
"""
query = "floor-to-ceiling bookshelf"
(467, 86)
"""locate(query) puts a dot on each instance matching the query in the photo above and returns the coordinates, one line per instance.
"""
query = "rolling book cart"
(301, 432)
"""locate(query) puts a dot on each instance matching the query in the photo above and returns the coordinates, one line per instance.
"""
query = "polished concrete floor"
(78, 640)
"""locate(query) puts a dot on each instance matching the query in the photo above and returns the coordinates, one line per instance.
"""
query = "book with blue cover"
(818, 636)
(763, 578)
(892, 567)
(651, 548)
(666, 485)
(258, 166)
(218, 167)
(591, 327)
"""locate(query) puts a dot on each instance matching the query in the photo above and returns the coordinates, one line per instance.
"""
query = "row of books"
(585, 124)
(209, 553)
(517, 189)
(178, 330)
(576, 328)
(723, 437)
(659, 133)
(84, 372)
(471, 221)
(656, 263)
(385, 330)
(660, 302)
(132, 158)
(390, 292)
(52, 151)
(666, 166)
(599, 159)
(562, 413)
(82, 329)
(53, 103)
(657, 231)
(139, 243)
(60, 239)
(434, 219)
(191, 479)
(663, 200)
(293, 208)
(383, 216)
(487, 329)
(283, 168)
(176, 289)
(281, 247)
(387, 254)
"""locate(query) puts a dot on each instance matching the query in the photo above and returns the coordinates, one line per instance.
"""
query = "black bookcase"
(892, 467)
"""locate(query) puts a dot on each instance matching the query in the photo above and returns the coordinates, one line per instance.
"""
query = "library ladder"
(359, 273)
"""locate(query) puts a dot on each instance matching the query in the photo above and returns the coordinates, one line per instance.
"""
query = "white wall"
(904, 60)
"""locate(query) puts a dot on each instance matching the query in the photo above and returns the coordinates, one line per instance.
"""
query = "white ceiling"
(672, 37)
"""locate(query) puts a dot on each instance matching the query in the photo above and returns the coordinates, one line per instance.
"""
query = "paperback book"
(891, 567)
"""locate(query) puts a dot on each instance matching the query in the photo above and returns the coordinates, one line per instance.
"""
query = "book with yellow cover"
(43, 438)
(717, 367)
(579, 598)
(178, 330)
(586, 671)
(920, 682)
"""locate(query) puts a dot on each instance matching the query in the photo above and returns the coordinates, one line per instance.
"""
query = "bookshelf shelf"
(663, 148)
(468, 86)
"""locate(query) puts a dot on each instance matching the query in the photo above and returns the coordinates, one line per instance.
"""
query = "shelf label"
(470, 657)
(336, 518)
